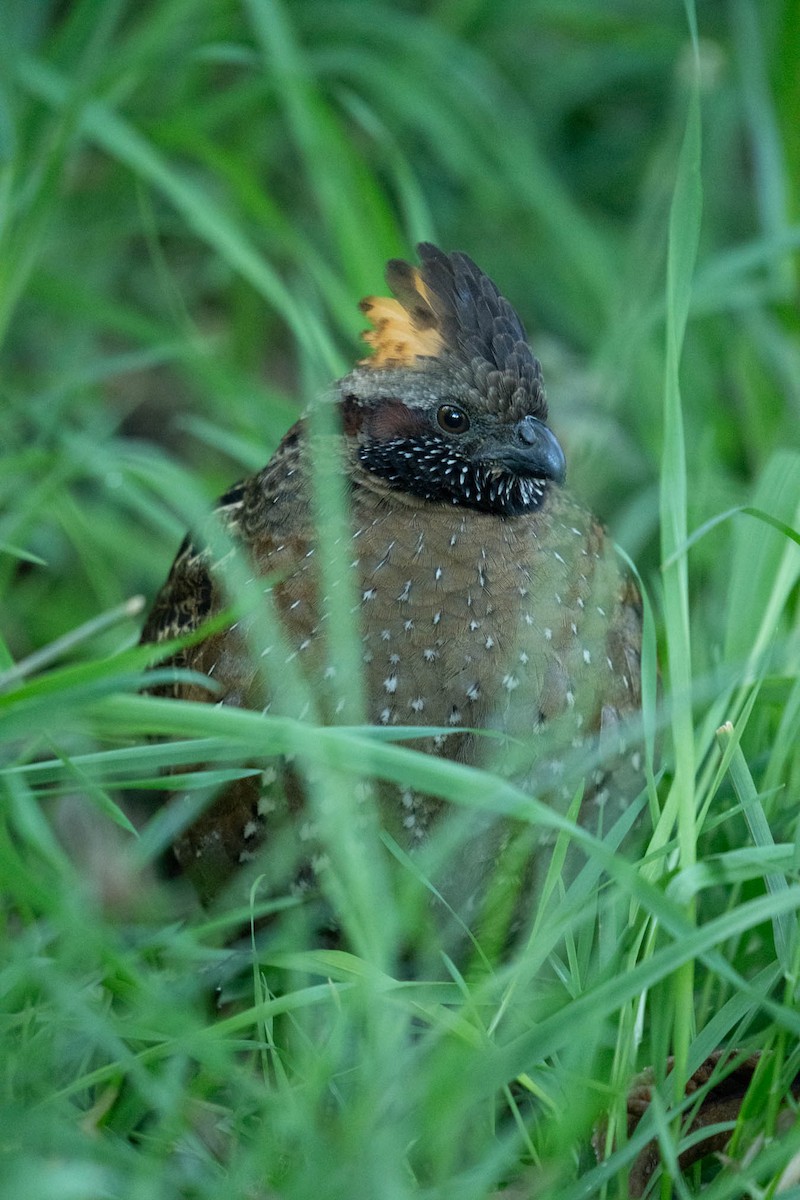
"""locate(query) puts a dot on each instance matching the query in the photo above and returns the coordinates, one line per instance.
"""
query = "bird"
(488, 598)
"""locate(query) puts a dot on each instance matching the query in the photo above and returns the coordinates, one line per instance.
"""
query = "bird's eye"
(452, 419)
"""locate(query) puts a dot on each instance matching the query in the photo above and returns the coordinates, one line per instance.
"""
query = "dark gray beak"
(534, 451)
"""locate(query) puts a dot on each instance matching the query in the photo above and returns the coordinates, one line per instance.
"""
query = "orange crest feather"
(396, 339)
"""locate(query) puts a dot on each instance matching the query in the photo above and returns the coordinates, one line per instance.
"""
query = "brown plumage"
(488, 597)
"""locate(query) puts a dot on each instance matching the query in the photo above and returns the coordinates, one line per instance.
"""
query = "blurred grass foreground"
(194, 194)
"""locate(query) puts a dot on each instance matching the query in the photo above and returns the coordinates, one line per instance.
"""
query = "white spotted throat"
(489, 598)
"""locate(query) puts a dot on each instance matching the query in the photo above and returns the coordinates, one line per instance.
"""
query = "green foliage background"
(193, 196)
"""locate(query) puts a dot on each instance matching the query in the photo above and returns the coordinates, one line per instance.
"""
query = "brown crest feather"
(449, 309)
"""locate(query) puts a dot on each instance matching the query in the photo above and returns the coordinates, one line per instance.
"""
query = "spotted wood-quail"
(489, 599)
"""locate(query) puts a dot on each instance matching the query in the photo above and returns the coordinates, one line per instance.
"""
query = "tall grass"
(193, 197)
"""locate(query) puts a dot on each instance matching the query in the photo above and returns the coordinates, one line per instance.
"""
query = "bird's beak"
(532, 450)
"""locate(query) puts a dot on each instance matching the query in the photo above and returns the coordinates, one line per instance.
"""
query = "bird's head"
(450, 406)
